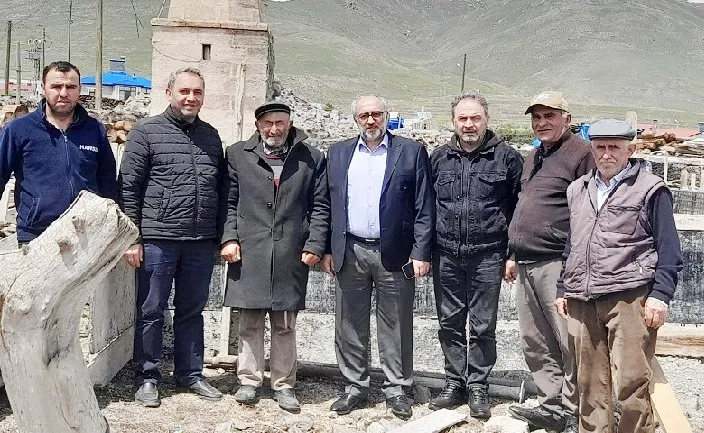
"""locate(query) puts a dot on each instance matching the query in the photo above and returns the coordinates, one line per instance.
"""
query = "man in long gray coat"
(278, 210)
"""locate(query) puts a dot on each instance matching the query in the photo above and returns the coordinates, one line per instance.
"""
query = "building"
(117, 83)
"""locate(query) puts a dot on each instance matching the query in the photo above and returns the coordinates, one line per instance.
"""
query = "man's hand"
(327, 265)
(561, 307)
(510, 271)
(230, 252)
(309, 258)
(420, 268)
(135, 255)
(655, 313)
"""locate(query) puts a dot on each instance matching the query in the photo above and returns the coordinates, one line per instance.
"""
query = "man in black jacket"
(168, 186)
(477, 179)
(382, 218)
(278, 211)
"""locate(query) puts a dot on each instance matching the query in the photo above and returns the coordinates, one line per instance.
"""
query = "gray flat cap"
(611, 128)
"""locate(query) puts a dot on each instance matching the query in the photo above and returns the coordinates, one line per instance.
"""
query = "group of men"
(586, 231)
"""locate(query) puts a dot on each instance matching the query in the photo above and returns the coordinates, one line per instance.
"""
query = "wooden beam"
(665, 404)
(677, 340)
(685, 222)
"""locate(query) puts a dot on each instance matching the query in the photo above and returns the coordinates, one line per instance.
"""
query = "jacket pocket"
(620, 219)
(164, 204)
(444, 184)
(490, 184)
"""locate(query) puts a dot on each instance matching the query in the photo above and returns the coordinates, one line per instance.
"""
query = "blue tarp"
(116, 78)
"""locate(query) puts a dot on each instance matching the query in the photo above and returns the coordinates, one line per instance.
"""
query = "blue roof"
(118, 78)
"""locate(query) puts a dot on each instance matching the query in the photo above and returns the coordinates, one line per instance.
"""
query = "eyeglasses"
(376, 115)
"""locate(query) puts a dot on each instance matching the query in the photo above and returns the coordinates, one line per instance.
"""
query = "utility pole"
(19, 74)
(99, 71)
(70, 21)
(7, 58)
(43, 47)
(464, 68)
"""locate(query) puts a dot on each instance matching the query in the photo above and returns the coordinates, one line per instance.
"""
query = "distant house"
(117, 84)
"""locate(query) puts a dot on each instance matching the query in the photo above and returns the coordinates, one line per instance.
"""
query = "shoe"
(148, 395)
(203, 389)
(538, 417)
(247, 394)
(347, 403)
(400, 406)
(479, 402)
(287, 400)
(452, 395)
(571, 424)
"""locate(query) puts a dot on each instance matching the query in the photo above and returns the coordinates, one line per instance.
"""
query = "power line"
(31, 14)
(137, 21)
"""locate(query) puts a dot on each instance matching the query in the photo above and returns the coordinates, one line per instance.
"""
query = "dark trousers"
(468, 287)
(187, 266)
(361, 270)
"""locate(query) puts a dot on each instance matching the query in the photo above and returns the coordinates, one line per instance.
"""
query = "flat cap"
(611, 128)
(549, 99)
(271, 107)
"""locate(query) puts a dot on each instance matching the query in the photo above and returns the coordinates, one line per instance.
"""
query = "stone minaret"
(227, 41)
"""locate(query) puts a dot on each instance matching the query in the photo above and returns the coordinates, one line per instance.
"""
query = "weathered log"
(43, 288)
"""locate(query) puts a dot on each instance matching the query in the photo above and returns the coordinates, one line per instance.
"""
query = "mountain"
(606, 55)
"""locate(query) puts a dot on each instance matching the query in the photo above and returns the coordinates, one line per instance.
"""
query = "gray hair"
(188, 70)
(470, 95)
(353, 107)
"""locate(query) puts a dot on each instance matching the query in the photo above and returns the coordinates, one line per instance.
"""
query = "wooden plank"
(103, 366)
(433, 423)
(665, 404)
(676, 340)
(5, 199)
(685, 222)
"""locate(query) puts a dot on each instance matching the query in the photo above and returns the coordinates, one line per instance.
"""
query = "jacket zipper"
(195, 174)
(68, 162)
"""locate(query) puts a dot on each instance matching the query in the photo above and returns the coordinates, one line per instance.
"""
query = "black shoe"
(247, 394)
(452, 395)
(479, 402)
(400, 406)
(203, 389)
(347, 403)
(571, 424)
(287, 400)
(538, 417)
(148, 395)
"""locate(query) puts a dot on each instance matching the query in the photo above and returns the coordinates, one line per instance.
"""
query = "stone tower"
(227, 41)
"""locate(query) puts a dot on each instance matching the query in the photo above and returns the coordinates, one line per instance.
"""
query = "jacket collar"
(555, 147)
(174, 117)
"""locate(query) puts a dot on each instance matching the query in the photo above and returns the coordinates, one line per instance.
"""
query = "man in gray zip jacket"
(619, 275)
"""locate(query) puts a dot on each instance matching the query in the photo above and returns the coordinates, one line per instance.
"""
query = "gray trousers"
(394, 316)
(547, 347)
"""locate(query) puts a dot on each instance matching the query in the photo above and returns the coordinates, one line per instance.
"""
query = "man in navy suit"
(383, 214)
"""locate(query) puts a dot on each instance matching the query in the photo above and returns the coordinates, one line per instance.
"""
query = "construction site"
(239, 69)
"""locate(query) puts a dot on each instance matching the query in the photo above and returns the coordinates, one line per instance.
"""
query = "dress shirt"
(365, 179)
(603, 191)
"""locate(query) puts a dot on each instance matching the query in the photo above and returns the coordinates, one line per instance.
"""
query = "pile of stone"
(325, 125)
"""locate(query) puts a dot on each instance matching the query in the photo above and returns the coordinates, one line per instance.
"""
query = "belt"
(366, 241)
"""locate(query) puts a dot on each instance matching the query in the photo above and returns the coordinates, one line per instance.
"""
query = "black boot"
(479, 402)
(452, 395)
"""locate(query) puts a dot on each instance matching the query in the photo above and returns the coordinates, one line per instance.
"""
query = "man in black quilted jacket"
(168, 186)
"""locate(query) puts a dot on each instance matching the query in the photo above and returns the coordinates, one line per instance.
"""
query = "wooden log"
(128, 124)
(121, 136)
(43, 289)
(665, 404)
(676, 340)
(120, 124)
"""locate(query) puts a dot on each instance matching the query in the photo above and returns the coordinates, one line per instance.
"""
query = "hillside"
(605, 55)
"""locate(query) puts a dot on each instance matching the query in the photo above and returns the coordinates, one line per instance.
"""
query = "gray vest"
(612, 248)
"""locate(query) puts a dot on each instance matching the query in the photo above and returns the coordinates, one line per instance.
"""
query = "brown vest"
(612, 250)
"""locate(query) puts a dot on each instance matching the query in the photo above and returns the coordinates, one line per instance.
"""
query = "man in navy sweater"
(55, 152)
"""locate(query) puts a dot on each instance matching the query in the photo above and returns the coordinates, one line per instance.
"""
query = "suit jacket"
(406, 207)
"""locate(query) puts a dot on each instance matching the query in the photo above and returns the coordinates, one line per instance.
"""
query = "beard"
(61, 111)
(275, 142)
(470, 138)
(372, 134)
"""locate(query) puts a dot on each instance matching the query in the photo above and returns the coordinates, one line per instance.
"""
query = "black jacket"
(406, 207)
(476, 194)
(169, 178)
(274, 226)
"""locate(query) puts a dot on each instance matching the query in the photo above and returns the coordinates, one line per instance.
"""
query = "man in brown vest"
(537, 237)
(619, 275)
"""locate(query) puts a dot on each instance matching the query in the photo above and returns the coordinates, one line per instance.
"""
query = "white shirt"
(365, 179)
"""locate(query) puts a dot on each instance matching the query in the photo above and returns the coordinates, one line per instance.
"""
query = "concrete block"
(505, 424)
(104, 365)
(112, 306)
